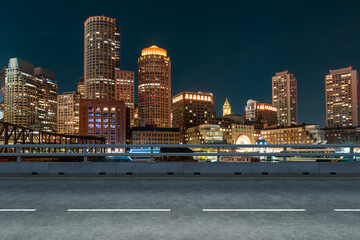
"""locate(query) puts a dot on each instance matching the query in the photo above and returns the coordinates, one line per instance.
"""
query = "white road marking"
(119, 210)
(347, 210)
(254, 210)
(17, 210)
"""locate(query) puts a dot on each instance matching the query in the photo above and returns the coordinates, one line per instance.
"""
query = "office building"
(190, 109)
(226, 108)
(260, 113)
(342, 98)
(81, 87)
(68, 113)
(301, 134)
(30, 96)
(155, 135)
(284, 98)
(125, 91)
(101, 48)
(103, 118)
(154, 90)
(344, 135)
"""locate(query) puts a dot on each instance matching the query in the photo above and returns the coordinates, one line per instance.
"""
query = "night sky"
(229, 48)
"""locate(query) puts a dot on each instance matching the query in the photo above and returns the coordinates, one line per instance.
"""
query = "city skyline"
(211, 73)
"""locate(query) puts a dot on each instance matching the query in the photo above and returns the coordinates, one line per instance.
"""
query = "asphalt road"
(185, 208)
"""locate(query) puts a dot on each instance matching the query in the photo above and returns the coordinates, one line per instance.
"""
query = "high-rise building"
(284, 98)
(68, 113)
(81, 87)
(125, 90)
(30, 96)
(103, 118)
(102, 56)
(226, 108)
(190, 109)
(261, 113)
(342, 98)
(344, 135)
(154, 90)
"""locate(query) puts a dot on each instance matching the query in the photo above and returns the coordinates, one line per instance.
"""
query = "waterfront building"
(155, 135)
(300, 134)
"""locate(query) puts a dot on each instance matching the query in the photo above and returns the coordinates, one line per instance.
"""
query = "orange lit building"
(190, 109)
(125, 90)
(103, 118)
(101, 57)
(154, 90)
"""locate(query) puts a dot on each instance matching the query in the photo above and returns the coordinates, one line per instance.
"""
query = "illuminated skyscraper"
(154, 90)
(30, 96)
(284, 98)
(342, 98)
(226, 108)
(125, 90)
(102, 56)
(68, 113)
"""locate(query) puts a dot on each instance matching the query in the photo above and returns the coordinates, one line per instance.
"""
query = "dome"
(260, 141)
(154, 50)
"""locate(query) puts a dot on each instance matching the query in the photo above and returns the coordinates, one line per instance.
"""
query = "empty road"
(63, 207)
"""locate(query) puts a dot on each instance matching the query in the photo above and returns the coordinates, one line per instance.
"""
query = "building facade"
(103, 118)
(68, 113)
(284, 98)
(101, 57)
(342, 98)
(302, 134)
(344, 135)
(81, 87)
(190, 109)
(204, 134)
(125, 90)
(261, 113)
(154, 90)
(154, 135)
(30, 96)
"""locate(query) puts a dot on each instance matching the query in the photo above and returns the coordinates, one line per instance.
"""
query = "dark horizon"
(231, 50)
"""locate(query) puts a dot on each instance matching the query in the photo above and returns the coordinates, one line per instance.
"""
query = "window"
(91, 120)
(91, 114)
(91, 108)
(91, 126)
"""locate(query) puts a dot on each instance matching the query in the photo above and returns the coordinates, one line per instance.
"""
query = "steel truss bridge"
(11, 134)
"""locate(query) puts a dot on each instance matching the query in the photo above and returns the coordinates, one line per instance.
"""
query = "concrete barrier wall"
(182, 168)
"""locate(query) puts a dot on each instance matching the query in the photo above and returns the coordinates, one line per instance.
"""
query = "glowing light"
(154, 50)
